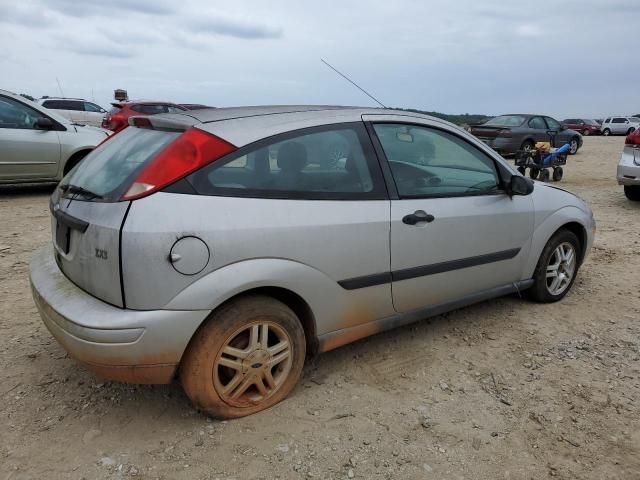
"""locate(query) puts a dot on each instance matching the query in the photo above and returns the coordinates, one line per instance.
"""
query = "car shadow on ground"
(154, 401)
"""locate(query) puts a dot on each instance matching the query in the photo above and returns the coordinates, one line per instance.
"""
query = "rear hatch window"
(106, 173)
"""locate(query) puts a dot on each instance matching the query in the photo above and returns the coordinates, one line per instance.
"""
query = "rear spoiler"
(117, 105)
(171, 121)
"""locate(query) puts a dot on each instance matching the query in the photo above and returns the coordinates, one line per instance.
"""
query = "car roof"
(42, 99)
(243, 125)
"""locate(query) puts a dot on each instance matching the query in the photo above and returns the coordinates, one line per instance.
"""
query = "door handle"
(419, 216)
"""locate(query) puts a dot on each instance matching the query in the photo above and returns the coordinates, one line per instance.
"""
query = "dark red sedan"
(585, 126)
(118, 117)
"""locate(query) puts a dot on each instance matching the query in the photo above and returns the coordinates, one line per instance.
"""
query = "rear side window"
(332, 163)
(107, 170)
(619, 120)
(63, 105)
(149, 109)
(538, 123)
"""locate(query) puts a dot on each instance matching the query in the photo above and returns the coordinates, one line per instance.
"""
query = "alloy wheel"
(253, 364)
(574, 146)
(561, 268)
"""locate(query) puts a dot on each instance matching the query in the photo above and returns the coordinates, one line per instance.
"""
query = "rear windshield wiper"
(78, 190)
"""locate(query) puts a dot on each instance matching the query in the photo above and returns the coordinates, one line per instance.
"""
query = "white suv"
(76, 109)
(619, 125)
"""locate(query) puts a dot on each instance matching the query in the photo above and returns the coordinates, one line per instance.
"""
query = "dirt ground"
(506, 389)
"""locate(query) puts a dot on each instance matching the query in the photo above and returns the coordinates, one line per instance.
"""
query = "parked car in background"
(37, 144)
(619, 125)
(194, 106)
(76, 110)
(118, 117)
(585, 126)
(628, 173)
(216, 246)
(507, 134)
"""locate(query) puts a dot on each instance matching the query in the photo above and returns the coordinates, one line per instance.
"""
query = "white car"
(620, 125)
(75, 109)
(37, 144)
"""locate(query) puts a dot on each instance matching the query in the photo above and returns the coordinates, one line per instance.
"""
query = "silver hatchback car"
(224, 246)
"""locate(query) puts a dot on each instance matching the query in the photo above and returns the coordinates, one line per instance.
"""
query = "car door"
(455, 233)
(560, 135)
(618, 125)
(93, 114)
(539, 129)
(26, 151)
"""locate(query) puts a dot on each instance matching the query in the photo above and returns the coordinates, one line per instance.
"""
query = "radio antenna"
(353, 83)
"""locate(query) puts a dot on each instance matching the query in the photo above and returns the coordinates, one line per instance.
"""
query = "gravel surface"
(506, 389)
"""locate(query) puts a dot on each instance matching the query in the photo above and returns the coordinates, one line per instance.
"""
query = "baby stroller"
(539, 159)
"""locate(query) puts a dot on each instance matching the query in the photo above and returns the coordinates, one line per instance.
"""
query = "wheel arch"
(74, 158)
(579, 231)
(569, 218)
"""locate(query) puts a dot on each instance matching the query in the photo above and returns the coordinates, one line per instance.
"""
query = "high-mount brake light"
(186, 154)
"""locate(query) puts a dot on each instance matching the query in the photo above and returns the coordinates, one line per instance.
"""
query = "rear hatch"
(88, 211)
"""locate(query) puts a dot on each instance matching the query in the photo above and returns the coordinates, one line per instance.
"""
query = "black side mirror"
(520, 185)
(44, 123)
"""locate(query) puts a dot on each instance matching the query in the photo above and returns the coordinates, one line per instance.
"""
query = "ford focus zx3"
(225, 246)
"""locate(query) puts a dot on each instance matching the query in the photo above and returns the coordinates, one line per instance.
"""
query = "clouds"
(213, 25)
(464, 56)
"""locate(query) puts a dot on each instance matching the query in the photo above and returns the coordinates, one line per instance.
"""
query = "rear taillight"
(505, 132)
(633, 139)
(187, 153)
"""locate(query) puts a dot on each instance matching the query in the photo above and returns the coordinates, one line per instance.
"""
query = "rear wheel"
(557, 268)
(632, 192)
(606, 132)
(586, 133)
(527, 146)
(247, 357)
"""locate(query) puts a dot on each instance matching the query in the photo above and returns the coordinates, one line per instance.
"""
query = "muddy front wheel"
(247, 357)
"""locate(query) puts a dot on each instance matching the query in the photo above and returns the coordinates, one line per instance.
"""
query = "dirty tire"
(204, 367)
(539, 291)
(606, 132)
(527, 145)
(586, 133)
(632, 192)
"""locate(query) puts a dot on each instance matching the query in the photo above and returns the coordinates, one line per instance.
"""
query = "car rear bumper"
(628, 170)
(118, 344)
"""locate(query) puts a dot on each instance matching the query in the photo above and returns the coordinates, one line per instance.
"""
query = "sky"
(565, 58)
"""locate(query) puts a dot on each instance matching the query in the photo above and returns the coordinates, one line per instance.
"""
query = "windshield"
(506, 121)
(106, 171)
